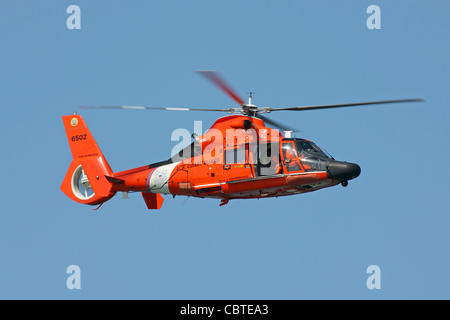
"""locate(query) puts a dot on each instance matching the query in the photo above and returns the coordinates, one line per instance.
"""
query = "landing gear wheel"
(344, 183)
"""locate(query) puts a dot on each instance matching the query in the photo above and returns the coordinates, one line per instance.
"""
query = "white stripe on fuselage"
(159, 180)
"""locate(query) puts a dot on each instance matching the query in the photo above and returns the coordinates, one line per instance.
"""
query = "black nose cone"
(342, 171)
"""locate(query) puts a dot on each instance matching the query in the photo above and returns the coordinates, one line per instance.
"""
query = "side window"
(288, 151)
(290, 159)
(237, 155)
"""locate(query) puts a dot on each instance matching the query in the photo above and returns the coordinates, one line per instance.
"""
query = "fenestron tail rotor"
(81, 186)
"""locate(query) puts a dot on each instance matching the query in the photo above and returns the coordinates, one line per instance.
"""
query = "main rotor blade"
(215, 78)
(329, 106)
(151, 108)
(276, 124)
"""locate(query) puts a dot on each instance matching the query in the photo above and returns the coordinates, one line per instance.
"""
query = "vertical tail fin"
(85, 181)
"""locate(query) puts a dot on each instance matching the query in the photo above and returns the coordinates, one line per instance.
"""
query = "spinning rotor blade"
(304, 108)
(276, 124)
(214, 77)
(151, 108)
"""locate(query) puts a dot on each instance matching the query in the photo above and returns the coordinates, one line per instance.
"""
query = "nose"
(343, 171)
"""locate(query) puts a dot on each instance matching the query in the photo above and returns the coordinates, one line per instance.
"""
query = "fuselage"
(238, 158)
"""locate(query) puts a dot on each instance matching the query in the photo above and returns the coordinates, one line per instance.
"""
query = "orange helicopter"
(237, 158)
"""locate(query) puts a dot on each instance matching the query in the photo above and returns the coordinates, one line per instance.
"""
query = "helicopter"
(238, 157)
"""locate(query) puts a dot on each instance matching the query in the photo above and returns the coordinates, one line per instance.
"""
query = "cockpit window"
(309, 149)
(301, 154)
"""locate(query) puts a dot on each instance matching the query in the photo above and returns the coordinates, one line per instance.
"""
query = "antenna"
(250, 95)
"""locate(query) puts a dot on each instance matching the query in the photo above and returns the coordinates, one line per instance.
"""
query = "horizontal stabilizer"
(114, 180)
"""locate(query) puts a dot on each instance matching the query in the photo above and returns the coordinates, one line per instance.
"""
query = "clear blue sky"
(291, 53)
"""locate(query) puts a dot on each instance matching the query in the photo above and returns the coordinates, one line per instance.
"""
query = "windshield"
(308, 149)
(307, 156)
